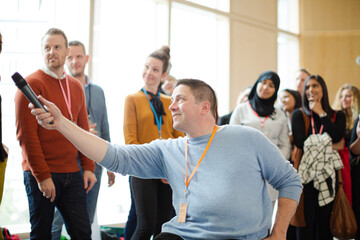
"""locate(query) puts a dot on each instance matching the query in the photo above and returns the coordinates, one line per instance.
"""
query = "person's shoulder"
(241, 129)
(38, 79)
(73, 81)
(95, 86)
(297, 113)
(164, 96)
(169, 142)
(135, 98)
(241, 110)
(243, 105)
(340, 113)
(138, 94)
(165, 99)
(280, 113)
(96, 89)
(36, 76)
(240, 133)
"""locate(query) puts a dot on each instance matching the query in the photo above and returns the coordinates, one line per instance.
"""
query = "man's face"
(54, 51)
(76, 60)
(184, 109)
(300, 79)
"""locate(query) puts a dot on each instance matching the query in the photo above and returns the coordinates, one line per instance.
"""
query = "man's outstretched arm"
(90, 145)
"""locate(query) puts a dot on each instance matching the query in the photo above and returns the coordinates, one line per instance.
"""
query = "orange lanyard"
(187, 180)
(262, 121)
(68, 97)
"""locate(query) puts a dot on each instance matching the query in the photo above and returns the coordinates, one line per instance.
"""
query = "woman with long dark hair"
(323, 119)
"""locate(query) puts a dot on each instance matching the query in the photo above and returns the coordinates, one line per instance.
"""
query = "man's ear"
(205, 107)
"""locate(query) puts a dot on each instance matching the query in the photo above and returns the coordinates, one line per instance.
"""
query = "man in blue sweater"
(218, 174)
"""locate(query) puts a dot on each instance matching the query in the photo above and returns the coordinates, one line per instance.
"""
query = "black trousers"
(317, 218)
(153, 203)
(168, 236)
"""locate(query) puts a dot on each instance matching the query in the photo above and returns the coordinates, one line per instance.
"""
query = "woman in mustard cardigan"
(147, 117)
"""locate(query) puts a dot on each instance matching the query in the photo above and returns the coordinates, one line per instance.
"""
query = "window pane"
(288, 59)
(200, 49)
(288, 15)
(222, 5)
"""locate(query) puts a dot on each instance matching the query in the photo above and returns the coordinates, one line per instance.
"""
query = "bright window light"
(288, 15)
(288, 59)
(200, 49)
(222, 5)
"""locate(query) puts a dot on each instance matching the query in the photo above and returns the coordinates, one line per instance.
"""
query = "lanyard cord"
(313, 125)
(262, 121)
(158, 119)
(187, 180)
(68, 97)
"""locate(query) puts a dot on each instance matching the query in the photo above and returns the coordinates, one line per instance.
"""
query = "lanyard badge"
(183, 203)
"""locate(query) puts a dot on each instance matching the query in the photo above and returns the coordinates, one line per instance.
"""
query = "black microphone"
(25, 88)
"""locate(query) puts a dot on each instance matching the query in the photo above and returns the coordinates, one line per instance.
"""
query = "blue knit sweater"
(227, 197)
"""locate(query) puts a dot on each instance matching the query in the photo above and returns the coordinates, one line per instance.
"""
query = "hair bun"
(163, 54)
(166, 50)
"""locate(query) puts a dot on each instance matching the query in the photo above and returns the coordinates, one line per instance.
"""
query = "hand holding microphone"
(25, 88)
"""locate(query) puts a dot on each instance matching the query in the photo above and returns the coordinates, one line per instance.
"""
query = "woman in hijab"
(259, 112)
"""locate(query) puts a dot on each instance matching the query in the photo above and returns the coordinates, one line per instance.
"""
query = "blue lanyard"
(158, 119)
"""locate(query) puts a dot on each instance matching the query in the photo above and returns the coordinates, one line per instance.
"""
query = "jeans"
(70, 200)
(91, 201)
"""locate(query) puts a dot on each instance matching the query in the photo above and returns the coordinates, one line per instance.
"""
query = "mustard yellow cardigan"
(139, 126)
